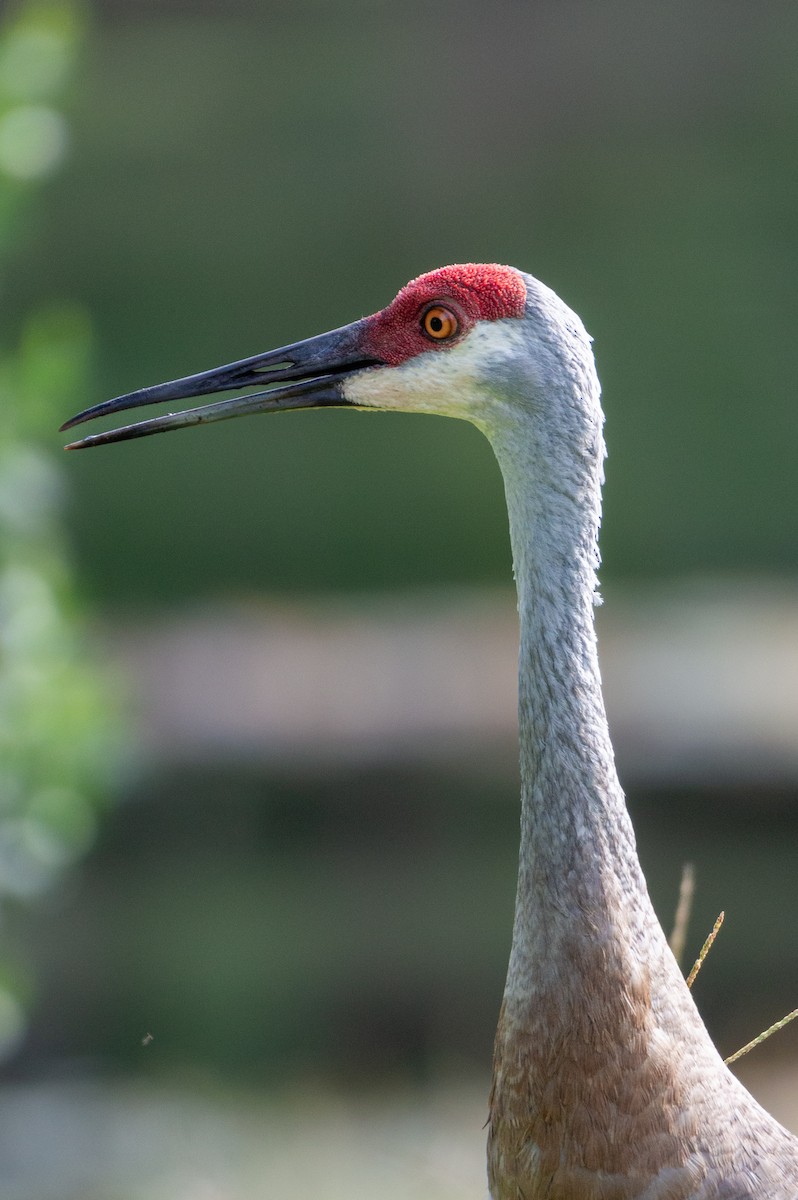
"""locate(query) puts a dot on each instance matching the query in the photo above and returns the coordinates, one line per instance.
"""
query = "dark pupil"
(435, 324)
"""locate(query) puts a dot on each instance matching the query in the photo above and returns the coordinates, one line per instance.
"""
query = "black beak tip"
(96, 410)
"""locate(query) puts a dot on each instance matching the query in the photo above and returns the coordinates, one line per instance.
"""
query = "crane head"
(432, 349)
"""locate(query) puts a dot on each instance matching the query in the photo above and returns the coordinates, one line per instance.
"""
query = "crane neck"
(605, 1081)
(580, 884)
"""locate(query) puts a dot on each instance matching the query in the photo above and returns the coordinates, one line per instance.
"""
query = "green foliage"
(38, 50)
(56, 727)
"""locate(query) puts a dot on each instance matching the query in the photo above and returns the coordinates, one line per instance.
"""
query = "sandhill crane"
(606, 1085)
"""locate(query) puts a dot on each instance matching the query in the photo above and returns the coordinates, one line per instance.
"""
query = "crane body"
(606, 1084)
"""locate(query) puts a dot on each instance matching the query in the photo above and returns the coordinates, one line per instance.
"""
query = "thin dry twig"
(677, 942)
(705, 949)
(683, 909)
(761, 1037)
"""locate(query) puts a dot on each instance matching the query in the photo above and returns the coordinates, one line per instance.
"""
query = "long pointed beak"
(309, 374)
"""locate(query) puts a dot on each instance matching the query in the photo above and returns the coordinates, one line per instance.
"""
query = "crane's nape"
(606, 1084)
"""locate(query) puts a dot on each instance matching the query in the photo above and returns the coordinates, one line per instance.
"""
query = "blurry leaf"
(33, 141)
(53, 367)
(38, 50)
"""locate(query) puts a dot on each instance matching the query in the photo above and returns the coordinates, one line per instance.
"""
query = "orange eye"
(439, 323)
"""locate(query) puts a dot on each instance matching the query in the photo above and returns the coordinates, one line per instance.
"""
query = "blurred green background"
(215, 182)
(237, 181)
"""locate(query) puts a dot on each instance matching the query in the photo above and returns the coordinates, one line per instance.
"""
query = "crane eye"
(439, 323)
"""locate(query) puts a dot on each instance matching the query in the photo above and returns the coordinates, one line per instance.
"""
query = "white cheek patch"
(452, 383)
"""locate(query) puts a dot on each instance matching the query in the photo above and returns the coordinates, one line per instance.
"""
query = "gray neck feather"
(579, 878)
(592, 986)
